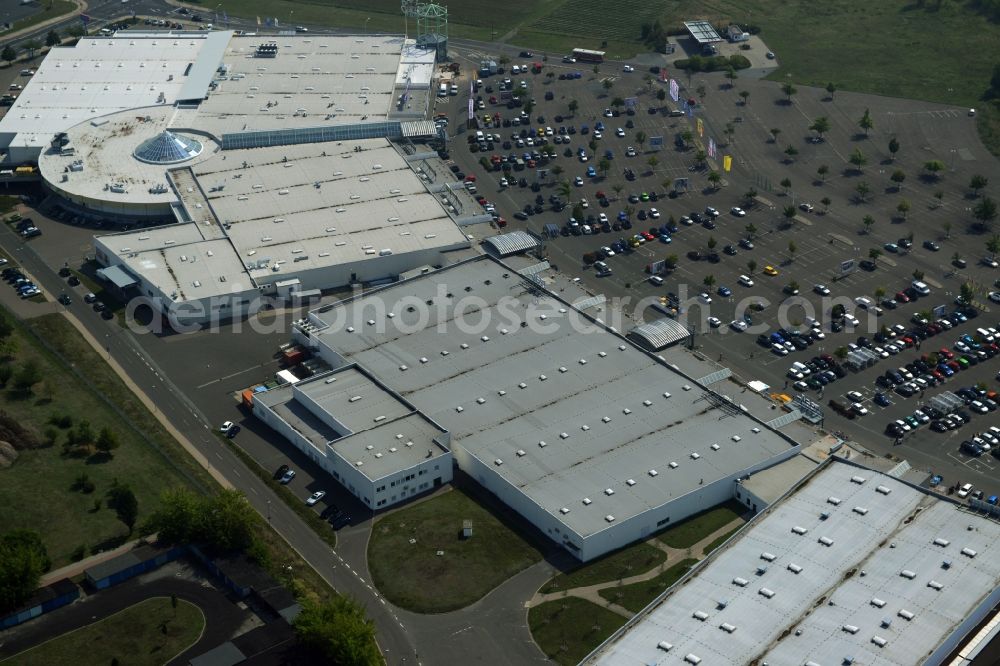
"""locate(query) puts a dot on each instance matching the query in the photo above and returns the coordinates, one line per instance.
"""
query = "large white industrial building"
(286, 164)
(590, 438)
(851, 567)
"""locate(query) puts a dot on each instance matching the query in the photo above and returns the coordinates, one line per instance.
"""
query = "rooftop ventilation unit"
(794, 568)
(770, 557)
(941, 542)
(883, 489)
(665, 646)
(700, 615)
(766, 592)
(858, 479)
(860, 510)
(741, 582)
(906, 573)
(968, 552)
(798, 529)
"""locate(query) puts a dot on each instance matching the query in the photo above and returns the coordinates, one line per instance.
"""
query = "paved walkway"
(77, 568)
(674, 555)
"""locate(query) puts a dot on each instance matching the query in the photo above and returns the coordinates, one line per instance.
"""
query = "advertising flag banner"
(675, 90)
(701, 128)
(727, 162)
(711, 147)
(663, 74)
(258, 21)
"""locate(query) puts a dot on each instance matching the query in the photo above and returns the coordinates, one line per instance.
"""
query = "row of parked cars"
(27, 228)
(19, 281)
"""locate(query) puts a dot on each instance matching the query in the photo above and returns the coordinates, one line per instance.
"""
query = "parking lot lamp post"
(269, 511)
(366, 24)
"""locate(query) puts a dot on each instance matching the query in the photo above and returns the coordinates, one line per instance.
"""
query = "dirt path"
(592, 592)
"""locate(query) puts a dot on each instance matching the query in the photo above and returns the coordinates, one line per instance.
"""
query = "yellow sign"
(727, 162)
(258, 21)
(701, 128)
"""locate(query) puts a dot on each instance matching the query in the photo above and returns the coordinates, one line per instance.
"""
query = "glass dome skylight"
(167, 148)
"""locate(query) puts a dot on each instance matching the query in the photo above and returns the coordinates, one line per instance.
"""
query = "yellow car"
(770, 270)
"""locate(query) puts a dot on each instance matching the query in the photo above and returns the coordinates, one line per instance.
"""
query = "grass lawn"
(721, 540)
(568, 629)
(630, 561)
(50, 10)
(134, 636)
(637, 596)
(415, 577)
(36, 491)
(692, 530)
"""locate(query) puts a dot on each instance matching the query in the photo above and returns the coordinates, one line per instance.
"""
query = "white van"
(516, 69)
(920, 287)
(443, 90)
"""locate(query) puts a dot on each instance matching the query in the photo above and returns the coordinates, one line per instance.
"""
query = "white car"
(607, 251)
(628, 68)
(584, 203)
(653, 213)
(738, 325)
(881, 352)
(714, 322)
(578, 181)
(779, 350)
(287, 477)
(854, 396)
(737, 211)
(904, 425)
(583, 156)
(503, 182)
(704, 298)
(859, 409)
(630, 152)
(821, 289)
(607, 113)
(656, 279)
(745, 281)
(226, 427)
(964, 491)
(807, 207)
(598, 135)
(619, 132)
(995, 296)
(711, 212)
(315, 497)
(602, 218)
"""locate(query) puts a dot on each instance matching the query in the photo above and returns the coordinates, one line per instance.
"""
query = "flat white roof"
(886, 577)
(271, 212)
(97, 77)
(375, 432)
(562, 415)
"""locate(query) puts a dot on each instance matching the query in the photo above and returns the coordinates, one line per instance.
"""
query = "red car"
(938, 375)
(601, 195)
(908, 341)
(648, 236)
(901, 297)
(947, 353)
(471, 179)
(954, 366)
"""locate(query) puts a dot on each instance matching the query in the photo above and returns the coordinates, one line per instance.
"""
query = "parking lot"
(805, 246)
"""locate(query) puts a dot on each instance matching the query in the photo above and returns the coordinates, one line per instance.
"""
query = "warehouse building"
(247, 166)
(590, 438)
(368, 438)
(851, 567)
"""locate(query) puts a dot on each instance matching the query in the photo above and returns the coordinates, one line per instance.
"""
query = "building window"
(663, 522)
(367, 501)
(738, 496)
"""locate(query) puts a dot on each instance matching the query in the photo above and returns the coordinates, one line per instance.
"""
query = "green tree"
(608, 84)
(617, 187)
(9, 54)
(687, 137)
(775, 131)
(76, 31)
(661, 94)
(869, 222)
(671, 260)
(863, 189)
(700, 158)
(338, 631)
(826, 204)
(976, 183)
(751, 230)
(841, 353)
(52, 38)
(557, 170)
(787, 184)
(746, 96)
(652, 162)
(29, 375)
(790, 153)
(792, 249)
(903, 208)
(789, 90)
(947, 229)
(934, 168)
(23, 560)
(985, 212)
(751, 266)
(858, 159)
(731, 75)
(966, 292)
(749, 196)
(604, 165)
(993, 245)
(821, 126)
(714, 177)
(879, 293)
(573, 105)
(893, 148)
(617, 102)
(830, 88)
(107, 441)
(31, 46)
(224, 521)
(898, 176)
(709, 281)
(565, 189)
(874, 254)
(866, 123)
(822, 171)
(123, 501)
(788, 212)
(640, 138)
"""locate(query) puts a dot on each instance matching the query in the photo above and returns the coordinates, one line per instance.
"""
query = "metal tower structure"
(432, 24)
